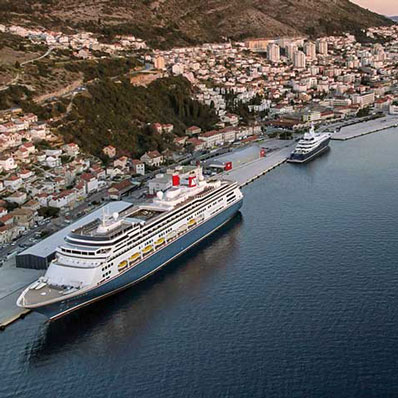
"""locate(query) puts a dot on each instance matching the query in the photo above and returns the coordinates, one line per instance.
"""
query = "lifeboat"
(171, 235)
(134, 257)
(182, 228)
(191, 223)
(147, 249)
(122, 265)
(159, 242)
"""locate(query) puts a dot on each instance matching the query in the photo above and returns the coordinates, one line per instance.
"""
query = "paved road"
(52, 225)
(27, 239)
(82, 208)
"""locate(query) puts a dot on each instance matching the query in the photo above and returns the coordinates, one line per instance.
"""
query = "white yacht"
(310, 146)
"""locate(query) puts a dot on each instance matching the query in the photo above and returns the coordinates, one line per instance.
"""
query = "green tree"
(48, 212)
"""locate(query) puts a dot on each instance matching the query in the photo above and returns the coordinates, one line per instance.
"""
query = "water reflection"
(122, 320)
(311, 168)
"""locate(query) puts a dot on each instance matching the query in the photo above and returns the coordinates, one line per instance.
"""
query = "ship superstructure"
(310, 146)
(118, 250)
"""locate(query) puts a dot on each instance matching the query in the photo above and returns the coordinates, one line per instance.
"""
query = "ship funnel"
(175, 180)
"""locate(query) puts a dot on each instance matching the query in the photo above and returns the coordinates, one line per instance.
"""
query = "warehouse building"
(232, 160)
(40, 255)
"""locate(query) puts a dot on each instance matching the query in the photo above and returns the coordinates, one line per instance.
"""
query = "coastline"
(369, 127)
(244, 175)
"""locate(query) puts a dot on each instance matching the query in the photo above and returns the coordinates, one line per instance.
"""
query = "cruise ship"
(310, 146)
(116, 251)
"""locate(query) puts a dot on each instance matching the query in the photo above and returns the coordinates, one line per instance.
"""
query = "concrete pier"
(249, 172)
(13, 281)
(360, 129)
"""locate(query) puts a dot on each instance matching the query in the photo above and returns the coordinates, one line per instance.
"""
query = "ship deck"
(44, 294)
(143, 213)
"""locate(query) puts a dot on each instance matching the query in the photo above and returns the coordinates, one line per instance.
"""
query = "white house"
(90, 181)
(7, 163)
(138, 166)
(13, 182)
(64, 199)
(53, 162)
(212, 138)
(152, 158)
(17, 197)
(71, 149)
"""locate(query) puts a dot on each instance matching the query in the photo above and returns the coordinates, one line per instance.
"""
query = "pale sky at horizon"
(385, 7)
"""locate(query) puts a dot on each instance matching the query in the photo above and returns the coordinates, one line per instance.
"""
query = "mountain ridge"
(165, 23)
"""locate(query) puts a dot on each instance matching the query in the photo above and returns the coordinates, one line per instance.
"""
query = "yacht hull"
(305, 158)
(143, 269)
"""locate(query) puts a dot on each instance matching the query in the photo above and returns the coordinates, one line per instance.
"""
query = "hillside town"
(285, 84)
(82, 43)
(294, 81)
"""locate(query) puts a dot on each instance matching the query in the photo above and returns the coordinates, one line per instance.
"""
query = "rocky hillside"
(180, 22)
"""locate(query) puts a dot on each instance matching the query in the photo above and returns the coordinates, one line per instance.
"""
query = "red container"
(228, 166)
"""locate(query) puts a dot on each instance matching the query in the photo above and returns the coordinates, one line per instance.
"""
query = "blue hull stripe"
(143, 269)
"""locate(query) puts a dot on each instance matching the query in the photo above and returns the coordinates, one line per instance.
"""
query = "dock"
(249, 172)
(364, 128)
(13, 281)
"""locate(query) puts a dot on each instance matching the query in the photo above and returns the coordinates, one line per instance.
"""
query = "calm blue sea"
(296, 297)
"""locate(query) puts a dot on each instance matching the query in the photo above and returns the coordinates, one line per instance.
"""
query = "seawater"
(295, 297)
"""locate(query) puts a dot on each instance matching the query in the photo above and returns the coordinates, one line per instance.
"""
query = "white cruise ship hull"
(142, 270)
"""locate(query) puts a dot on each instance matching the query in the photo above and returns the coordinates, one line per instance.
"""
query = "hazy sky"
(386, 7)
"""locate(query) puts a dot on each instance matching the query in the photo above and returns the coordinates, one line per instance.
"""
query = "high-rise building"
(310, 50)
(273, 52)
(365, 99)
(291, 48)
(257, 45)
(159, 63)
(378, 52)
(322, 46)
(299, 60)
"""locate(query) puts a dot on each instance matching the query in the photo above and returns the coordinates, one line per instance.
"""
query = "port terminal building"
(40, 255)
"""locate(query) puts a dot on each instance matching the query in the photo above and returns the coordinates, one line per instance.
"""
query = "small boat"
(122, 265)
(159, 242)
(191, 223)
(147, 249)
(134, 257)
